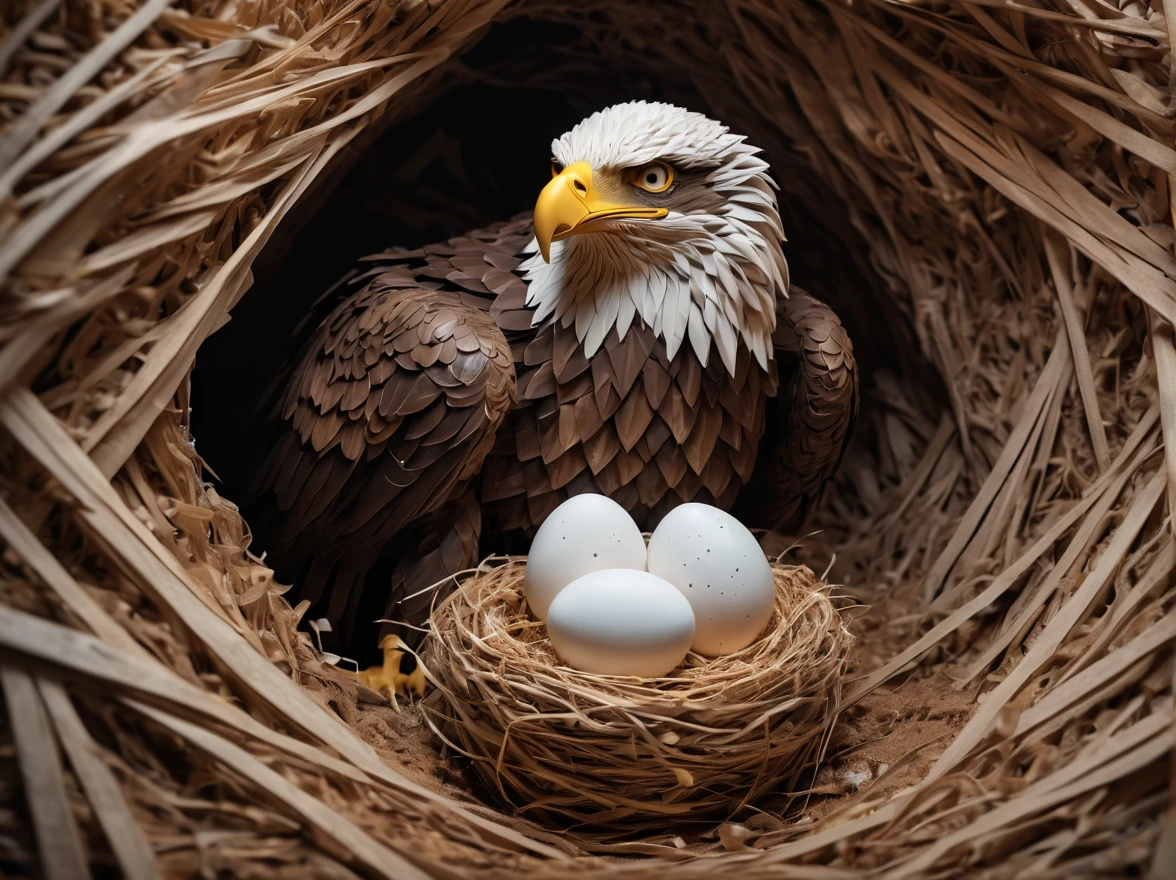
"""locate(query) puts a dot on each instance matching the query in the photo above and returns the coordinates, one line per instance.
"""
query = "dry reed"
(1004, 172)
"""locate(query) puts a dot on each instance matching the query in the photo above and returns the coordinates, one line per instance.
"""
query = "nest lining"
(629, 756)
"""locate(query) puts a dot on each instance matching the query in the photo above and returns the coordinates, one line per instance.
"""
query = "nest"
(628, 756)
(980, 189)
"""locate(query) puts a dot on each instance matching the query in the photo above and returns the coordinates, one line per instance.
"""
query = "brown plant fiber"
(626, 756)
(984, 187)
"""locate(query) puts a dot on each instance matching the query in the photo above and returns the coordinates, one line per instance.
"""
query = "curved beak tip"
(559, 209)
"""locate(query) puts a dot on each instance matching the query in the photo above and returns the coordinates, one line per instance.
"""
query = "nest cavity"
(982, 190)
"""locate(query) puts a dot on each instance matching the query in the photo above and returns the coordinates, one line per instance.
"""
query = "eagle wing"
(811, 420)
(389, 411)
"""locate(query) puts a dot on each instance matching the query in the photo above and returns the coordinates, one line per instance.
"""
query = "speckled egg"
(586, 533)
(720, 568)
(621, 622)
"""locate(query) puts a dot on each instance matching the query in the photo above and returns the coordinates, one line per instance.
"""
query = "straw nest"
(628, 756)
(984, 187)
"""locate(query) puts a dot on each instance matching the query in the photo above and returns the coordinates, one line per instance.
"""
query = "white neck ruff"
(706, 277)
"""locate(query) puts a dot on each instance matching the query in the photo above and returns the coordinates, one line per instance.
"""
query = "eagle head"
(658, 214)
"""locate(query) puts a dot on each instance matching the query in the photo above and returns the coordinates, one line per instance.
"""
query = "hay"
(998, 174)
(631, 757)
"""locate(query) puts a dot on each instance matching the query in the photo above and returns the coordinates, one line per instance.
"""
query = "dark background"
(477, 152)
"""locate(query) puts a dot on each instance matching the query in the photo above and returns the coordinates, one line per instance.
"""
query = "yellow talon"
(388, 679)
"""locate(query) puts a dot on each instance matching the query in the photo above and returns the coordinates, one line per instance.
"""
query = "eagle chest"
(647, 430)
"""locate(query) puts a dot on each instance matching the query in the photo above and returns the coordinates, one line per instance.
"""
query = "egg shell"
(721, 570)
(586, 533)
(621, 622)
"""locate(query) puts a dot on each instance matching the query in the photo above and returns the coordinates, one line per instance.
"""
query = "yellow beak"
(569, 204)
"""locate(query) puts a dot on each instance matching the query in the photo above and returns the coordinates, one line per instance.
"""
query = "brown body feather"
(426, 406)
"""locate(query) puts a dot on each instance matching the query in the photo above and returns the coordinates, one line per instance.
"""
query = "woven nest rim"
(703, 741)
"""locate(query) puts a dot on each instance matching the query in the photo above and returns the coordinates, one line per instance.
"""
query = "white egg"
(719, 567)
(584, 534)
(621, 622)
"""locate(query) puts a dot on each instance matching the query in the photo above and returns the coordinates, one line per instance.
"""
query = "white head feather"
(707, 275)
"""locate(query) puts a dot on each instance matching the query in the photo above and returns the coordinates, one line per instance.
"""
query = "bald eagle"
(633, 338)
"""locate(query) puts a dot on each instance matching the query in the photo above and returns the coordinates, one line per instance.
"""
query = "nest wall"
(1003, 170)
(617, 759)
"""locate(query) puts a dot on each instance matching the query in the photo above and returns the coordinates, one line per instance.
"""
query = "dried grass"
(628, 757)
(1004, 171)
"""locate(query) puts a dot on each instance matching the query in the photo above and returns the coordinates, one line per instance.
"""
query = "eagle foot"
(400, 675)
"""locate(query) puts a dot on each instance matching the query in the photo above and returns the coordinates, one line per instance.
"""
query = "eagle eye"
(656, 177)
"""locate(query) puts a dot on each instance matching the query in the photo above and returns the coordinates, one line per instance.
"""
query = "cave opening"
(473, 149)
